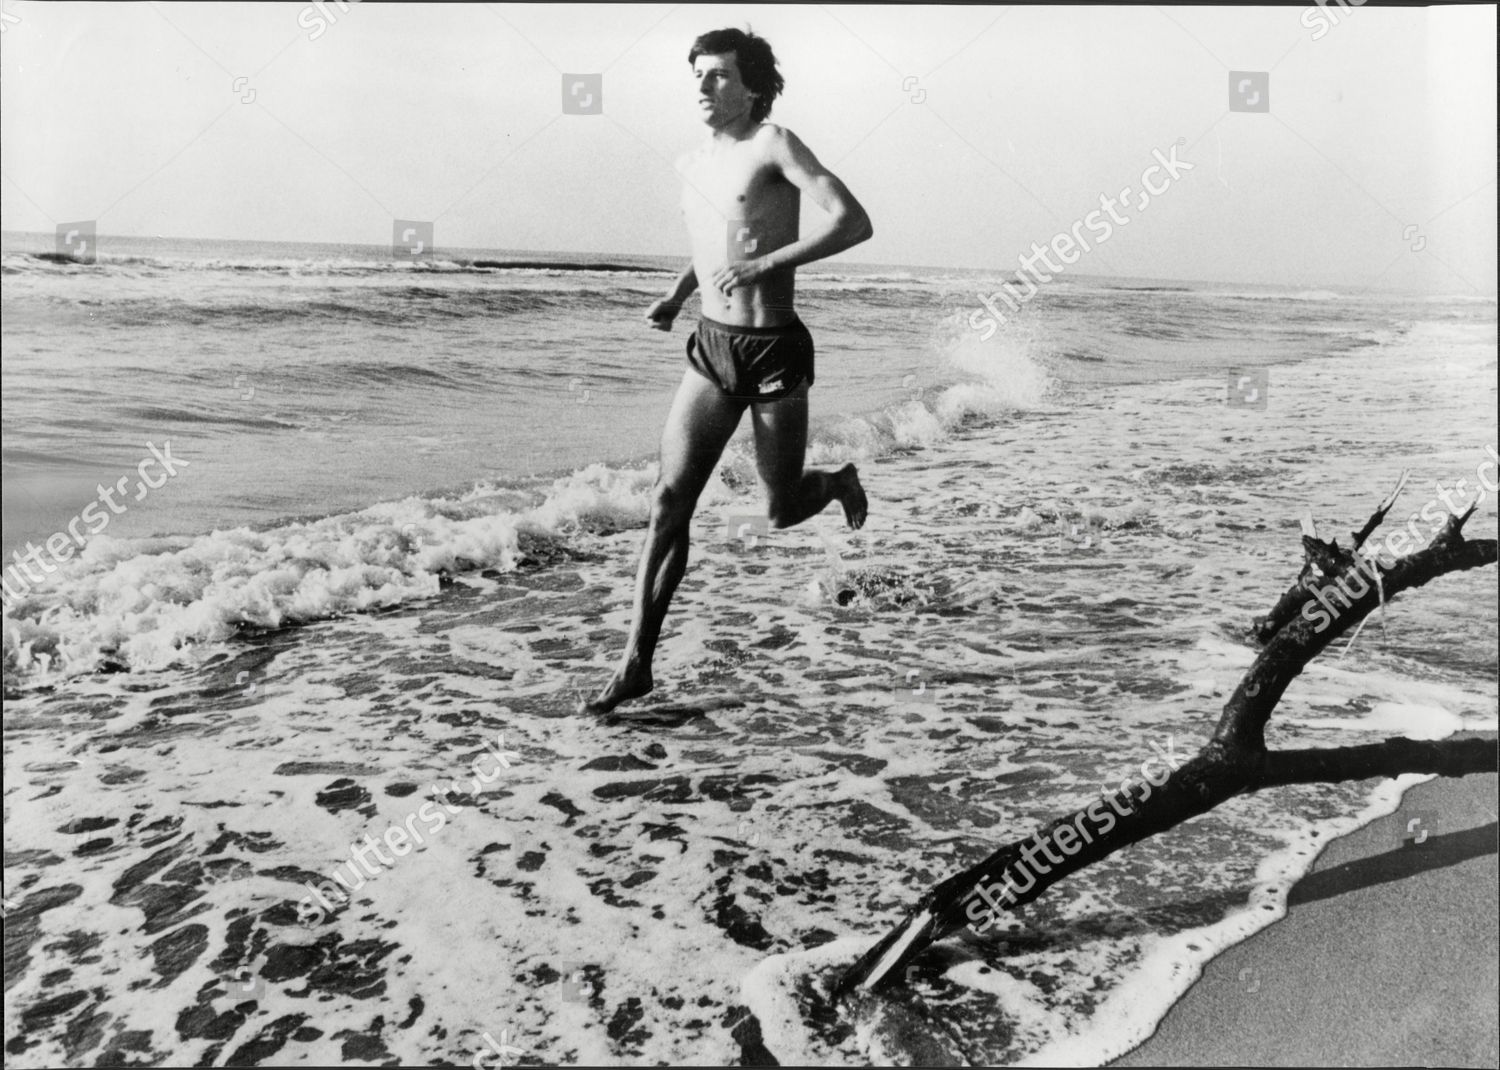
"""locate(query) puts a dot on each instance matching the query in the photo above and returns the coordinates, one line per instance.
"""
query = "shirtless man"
(741, 199)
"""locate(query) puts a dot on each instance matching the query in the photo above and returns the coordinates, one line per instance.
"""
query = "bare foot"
(852, 497)
(627, 683)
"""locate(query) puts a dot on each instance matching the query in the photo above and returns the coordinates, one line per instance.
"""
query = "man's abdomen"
(768, 302)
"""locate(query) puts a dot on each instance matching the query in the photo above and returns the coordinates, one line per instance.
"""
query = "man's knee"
(671, 507)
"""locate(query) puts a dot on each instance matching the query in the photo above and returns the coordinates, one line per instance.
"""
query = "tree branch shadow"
(1436, 852)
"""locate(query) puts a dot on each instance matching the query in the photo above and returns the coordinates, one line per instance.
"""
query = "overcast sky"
(967, 132)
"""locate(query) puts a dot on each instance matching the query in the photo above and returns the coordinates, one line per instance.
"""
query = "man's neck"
(733, 132)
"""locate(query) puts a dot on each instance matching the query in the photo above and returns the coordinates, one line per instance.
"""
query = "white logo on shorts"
(766, 388)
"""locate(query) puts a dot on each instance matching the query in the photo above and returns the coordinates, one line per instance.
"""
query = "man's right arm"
(661, 314)
(687, 282)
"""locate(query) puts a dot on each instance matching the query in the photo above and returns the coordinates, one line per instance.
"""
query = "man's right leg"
(698, 427)
(794, 493)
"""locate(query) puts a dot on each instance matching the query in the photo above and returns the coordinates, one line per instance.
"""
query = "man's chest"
(734, 185)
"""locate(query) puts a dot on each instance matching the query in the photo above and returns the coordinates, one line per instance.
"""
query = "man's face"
(722, 97)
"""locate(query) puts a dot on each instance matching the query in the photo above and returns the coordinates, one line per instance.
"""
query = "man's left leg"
(793, 493)
(700, 423)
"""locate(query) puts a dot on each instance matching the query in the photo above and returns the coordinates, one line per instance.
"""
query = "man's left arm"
(847, 224)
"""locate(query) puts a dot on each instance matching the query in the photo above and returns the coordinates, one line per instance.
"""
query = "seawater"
(362, 581)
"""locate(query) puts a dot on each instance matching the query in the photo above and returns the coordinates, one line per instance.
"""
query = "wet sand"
(1387, 955)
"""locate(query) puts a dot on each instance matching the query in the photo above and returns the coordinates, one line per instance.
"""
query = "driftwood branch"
(1322, 558)
(1336, 590)
(1446, 757)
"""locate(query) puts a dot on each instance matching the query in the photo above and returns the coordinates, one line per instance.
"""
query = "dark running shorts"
(752, 363)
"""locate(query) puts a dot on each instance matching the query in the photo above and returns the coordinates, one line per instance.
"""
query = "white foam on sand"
(1171, 964)
(769, 990)
(1411, 720)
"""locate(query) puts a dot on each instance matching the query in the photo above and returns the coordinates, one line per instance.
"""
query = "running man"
(741, 199)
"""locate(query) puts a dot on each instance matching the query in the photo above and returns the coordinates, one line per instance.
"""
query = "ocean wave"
(1155, 331)
(980, 381)
(898, 277)
(144, 604)
(1153, 289)
(1277, 295)
(178, 415)
(853, 286)
(391, 307)
(1476, 299)
(54, 263)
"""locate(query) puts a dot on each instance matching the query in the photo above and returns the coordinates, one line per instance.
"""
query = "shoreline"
(1387, 954)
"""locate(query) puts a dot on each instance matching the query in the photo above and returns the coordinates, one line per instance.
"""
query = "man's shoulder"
(776, 144)
(774, 132)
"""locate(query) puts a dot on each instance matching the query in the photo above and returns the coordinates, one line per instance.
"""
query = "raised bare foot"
(852, 497)
(624, 685)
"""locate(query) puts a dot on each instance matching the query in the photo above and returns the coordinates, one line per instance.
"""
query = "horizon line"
(596, 255)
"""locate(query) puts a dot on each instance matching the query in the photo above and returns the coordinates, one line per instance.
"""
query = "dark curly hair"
(756, 61)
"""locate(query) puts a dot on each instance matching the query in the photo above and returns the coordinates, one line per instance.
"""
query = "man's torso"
(737, 204)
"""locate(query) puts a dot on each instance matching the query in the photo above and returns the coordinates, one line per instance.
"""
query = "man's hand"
(738, 273)
(662, 313)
